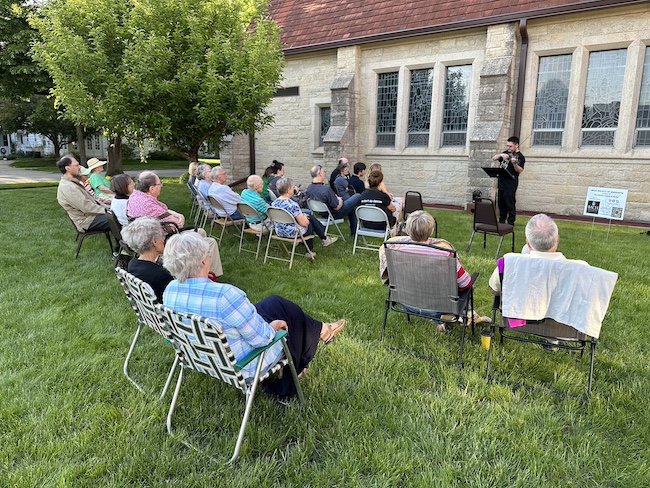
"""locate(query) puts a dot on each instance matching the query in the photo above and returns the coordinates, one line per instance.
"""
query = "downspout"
(251, 150)
(521, 77)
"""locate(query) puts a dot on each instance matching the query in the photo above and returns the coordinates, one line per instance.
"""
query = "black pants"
(99, 223)
(302, 340)
(507, 211)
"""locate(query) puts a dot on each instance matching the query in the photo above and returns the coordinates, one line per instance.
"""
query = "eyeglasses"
(158, 184)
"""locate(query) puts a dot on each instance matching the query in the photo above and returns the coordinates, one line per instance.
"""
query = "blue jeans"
(236, 215)
(347, 210)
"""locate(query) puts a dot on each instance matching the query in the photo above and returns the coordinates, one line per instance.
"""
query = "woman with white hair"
(253, 196)
(246, 326)
(419, 227)
(145, 236)
(308, 225)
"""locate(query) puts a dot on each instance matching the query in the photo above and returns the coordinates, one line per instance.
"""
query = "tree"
(38, 116)
(179, 71)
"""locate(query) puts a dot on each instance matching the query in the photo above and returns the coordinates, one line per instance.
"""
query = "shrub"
(163, 155)
(184, 178)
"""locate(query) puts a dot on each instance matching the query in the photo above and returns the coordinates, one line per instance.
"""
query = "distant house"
(431, 90)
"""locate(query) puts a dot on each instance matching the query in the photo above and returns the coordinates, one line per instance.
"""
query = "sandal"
(330, 331)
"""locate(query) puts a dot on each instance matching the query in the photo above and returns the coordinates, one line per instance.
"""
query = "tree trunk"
(115, 157)
(81, 145)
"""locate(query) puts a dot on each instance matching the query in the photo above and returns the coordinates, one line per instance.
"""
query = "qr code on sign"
(617, 212)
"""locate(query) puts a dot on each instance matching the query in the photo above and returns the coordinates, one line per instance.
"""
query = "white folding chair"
(248, 211)
(281, 216)
(223, 221)
(368, 213)
(318, 208)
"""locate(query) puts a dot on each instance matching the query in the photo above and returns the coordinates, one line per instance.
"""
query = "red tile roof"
(314, 25)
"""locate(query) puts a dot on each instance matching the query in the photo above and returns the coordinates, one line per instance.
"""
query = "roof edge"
(467, 24)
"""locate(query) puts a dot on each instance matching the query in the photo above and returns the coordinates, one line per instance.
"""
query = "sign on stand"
(605, 203)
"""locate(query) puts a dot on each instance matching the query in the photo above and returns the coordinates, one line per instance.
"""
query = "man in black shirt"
(513, 162)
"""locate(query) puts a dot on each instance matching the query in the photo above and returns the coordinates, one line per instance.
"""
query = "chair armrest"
(279, 335)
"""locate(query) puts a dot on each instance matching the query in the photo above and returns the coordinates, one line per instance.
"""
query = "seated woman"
(377, 198)
(307, 224)
(342, 181)
(100, 184)
(397, 201)
(419, 227)
(253, 196)
(278, 172)
(145, 236)
(122, 185)
(246, 326)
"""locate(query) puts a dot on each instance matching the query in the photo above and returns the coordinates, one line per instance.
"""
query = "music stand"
(497, 172)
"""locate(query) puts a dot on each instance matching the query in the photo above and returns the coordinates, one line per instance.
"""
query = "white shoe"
(329, 240)
(310, 254)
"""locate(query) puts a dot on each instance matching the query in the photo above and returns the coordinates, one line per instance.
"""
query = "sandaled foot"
(330, 331)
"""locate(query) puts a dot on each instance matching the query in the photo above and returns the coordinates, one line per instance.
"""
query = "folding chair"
(248, 211)
(423, 281)
(223, 222)
(272, 196)
(565, 311)
(281, 216)
(485, 221)
(202, 346)
(319, 208)
(143, 301)
(413, 202)
(122, 256)
(195, 204)
(85, 233)
(368, 213)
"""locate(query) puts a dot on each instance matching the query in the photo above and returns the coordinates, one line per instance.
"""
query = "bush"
(128, 151)
(184, 178)
(164, 155)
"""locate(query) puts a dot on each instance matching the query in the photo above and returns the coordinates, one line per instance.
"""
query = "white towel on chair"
(569, 292)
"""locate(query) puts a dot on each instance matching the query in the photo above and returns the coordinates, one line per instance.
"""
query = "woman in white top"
(122, 186)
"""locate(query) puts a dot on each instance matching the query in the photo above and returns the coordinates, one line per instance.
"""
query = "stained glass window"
(387, 108)
(325, 121)
(551, 100)
(643, 113)
(420, 107)
(457, 95)
(603, 97)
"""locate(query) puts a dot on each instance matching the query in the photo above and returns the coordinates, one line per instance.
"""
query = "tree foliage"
(179, 71)
(20, 76)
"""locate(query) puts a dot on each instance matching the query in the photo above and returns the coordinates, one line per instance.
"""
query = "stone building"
(431, 90)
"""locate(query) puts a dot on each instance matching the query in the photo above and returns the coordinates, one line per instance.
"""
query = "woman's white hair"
(283, 185)
(419, 225)
(140, 233)
(184, 255)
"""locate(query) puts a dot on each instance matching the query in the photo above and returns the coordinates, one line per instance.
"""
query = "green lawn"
(373, 417)
(49, 164)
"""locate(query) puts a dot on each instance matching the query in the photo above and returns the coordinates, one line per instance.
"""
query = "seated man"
(223, 194)
(318, 191)
(86, 212)
(246, 326)
(542, 239)
(355, 180)
(144, 202)
(342, 181)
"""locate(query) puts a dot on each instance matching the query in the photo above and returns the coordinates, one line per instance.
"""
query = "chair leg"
(83, 236)
(170, 376)
(172, 406)
(498, 248)
(383, 327)
(484, 239)
(462, 342)
(513, 241)
(489, 354)
(592, 354)
(128, 358)
(294, 373)
(268, 244)
(110, 243)
(470, 240)
(250, 396)
(354, 246)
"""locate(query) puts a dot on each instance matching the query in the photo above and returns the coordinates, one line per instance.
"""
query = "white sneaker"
(310, 254)
(329, 240)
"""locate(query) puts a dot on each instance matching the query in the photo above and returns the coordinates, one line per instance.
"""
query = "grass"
(49, 164)
(373, 417)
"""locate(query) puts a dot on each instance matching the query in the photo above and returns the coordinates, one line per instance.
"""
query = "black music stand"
(497, 173)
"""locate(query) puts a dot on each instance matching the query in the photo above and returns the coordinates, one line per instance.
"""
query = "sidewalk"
(9, 174)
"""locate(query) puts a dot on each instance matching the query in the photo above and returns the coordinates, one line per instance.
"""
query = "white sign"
(606, 203)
